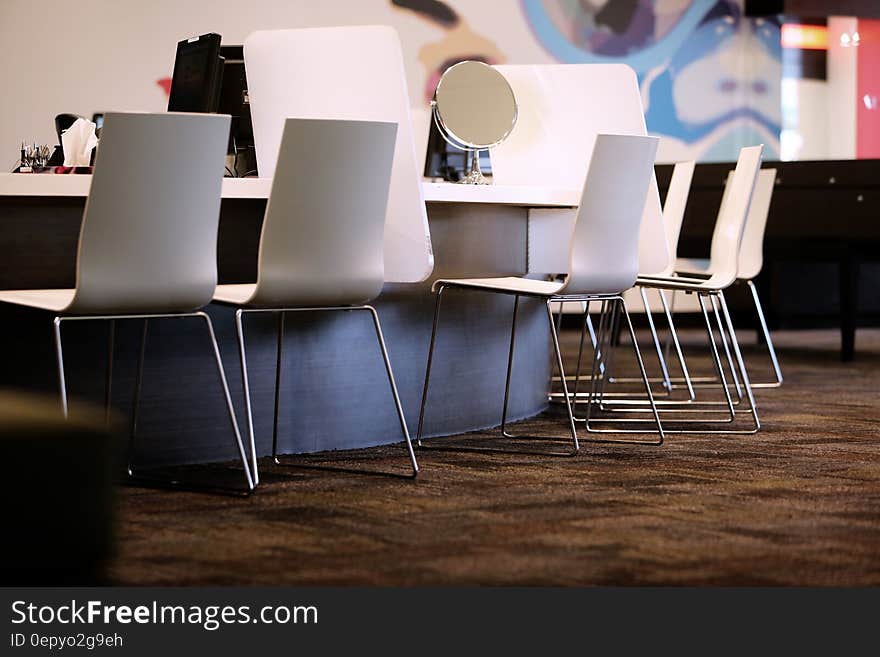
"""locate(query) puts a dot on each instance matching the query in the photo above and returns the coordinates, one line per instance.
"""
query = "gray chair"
(321, 243)
(148, 244)
(603, 263)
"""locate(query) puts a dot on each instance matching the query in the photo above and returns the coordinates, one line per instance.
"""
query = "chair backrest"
(321, 243)
(561, 109)
(751, 251)
(354, 73)
(675, 204)
(605, 247)
(149, 233)
(727, 236)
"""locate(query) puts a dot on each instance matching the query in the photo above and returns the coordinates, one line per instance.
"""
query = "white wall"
(98, 55)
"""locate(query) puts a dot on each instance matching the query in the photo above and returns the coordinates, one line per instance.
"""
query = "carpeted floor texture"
(796, 504)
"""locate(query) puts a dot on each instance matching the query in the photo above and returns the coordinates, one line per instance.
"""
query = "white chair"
(673, 214)
(726, 241)
(603, 259)
(751, 260)
(354, 72)
(321, 243)
(148, 245)
(557, 121)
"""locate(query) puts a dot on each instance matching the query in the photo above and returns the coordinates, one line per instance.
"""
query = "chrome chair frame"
(765, 332)
(688, 405)
(608, 328)
(771, 350)
(725, 324)
(146, 317)
(666, 380)
(239, 328)
(549, 301)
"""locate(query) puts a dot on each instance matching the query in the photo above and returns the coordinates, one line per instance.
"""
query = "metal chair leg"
(722, 331)
(510, 366)
(596, 373)
(598, 357)
(739, 358)
(673, 334)
(279, 352)
(554, 332)
(632, 335)
(397, 404)
(716, 358)
(669, 309)
(137, 392)
(692, 382)
(59, 353)
(591, 330)
(430, 362)
(245, 385)
(175, 483)
(577, 370)
(558, 352)
(660, 358)
(608, 352)
(229, 406)
(505, 433)
(279, 360)
(619, 302)
(664, 379)
(768, 340)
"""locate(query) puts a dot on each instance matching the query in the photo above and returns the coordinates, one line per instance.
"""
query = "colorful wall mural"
(710, 76)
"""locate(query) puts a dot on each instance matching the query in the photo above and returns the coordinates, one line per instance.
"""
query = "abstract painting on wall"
(710, 76)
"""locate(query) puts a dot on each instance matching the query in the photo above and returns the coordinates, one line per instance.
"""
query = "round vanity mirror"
(474, 108)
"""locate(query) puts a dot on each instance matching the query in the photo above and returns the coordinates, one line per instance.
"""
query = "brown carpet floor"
(797, 504)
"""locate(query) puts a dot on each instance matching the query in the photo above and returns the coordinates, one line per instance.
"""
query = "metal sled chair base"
(726, 330)
(278, 372)
(142, 478)
(559, 366)
(504, 433)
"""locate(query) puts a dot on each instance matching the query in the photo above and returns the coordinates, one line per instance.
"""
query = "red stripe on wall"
(868, 90)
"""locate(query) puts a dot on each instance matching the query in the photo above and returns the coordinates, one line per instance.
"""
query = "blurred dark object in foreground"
(57, 485)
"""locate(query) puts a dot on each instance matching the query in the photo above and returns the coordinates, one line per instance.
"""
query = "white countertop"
(77, 185)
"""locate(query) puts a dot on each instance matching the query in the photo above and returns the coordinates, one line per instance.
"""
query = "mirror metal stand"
(475, 175)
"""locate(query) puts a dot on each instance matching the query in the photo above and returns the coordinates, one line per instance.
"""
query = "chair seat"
(238, 294)
(678, 283)
(54, 300)
(506, 284)
(692, 265)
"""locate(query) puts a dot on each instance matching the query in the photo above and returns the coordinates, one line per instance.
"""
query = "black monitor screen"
(234, 96)
(195, 85)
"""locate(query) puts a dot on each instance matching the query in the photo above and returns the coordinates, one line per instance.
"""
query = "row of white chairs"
(148, 243)
(147, 251)
(736, 256)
